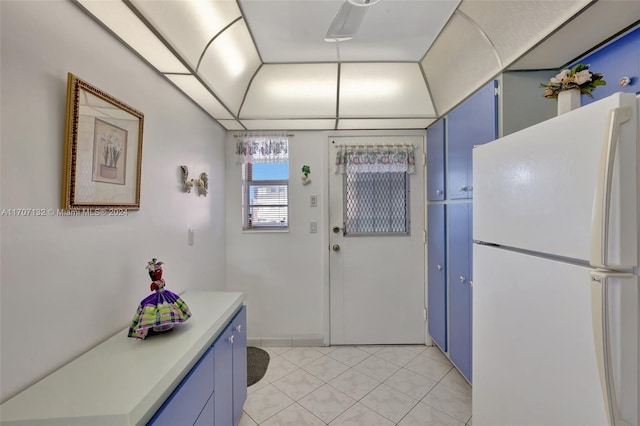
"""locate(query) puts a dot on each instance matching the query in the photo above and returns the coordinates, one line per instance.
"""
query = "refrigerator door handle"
(602, 340)
(602, 210)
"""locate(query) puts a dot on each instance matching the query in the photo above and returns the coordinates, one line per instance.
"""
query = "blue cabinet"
(230, 385)
(459, 223)
(186, 403)
(616, 60)
(473, 122)
(239, 326)
(214, 391)
(436, 272)
(223, 383)
(435, 160)
(206, 417)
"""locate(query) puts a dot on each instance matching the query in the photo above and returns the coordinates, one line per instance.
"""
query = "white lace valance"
(263, 148)
(375, 159)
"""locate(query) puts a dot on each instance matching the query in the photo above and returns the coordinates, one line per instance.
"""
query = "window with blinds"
(265, 195)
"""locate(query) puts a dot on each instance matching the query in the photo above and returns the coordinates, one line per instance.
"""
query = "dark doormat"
(257, 363)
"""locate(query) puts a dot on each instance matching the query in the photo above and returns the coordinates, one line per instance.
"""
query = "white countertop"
(124, 381)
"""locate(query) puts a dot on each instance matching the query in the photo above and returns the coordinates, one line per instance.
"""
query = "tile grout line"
(369, 355)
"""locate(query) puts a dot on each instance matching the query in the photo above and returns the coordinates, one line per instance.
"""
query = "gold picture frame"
(102, 150)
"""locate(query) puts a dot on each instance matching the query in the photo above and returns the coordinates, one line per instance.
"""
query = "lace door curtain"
(375, 159)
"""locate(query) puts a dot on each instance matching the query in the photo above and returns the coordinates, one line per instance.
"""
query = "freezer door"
(557, 188)
(534, 357)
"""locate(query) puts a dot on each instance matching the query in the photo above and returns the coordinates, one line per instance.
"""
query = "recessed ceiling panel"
(188, 25)
(116, 16)
(529, 21)
(289, 124)
(229, 64)
(459, 62)
(384, 90)
(391, 30)
(376, 123)
(200, 95)
(398, 30)
(292, 91)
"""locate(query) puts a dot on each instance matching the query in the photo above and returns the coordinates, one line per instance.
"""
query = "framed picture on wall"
(103, 150)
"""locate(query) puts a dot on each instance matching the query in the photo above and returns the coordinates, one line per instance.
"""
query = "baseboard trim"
(269, 342)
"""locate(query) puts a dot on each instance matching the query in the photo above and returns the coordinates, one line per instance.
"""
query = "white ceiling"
(288, 31)
(264, 64)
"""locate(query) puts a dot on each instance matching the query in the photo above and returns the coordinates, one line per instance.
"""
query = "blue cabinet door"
(186, 403)
(435, 161)
(618, 59)
(206, 417)
(473, 122)
(223, 381)
(239, 326)
(459, 277)
(436, 270)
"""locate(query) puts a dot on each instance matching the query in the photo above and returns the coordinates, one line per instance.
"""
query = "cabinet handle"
(239, 328)
(624, 81)
(462, 279)
(439, 267)
(231, 339)
(462, 188)
(469, 188)
(439, 191)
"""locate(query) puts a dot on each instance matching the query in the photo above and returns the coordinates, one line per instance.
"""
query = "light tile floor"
(358, 385)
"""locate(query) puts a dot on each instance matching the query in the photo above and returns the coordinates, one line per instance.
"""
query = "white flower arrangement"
(579, 77)
(111, 149)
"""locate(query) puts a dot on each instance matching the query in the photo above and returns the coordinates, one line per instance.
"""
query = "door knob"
(439, 192)
(462, 279)
(231, 339)
(336, 229)
(336, 247)
(239, 328)
(439, 267)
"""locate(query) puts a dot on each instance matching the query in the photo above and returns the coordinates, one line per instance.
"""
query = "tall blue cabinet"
(460, 290)
(436, 271)
(450, 142)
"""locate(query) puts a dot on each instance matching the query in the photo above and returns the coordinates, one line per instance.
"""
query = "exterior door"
(377, 285)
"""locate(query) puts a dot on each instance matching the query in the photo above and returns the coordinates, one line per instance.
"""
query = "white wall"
(68, 283)
(282, 273)
(286, 274)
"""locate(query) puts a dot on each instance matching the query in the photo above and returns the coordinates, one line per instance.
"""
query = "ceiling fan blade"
(346, 22)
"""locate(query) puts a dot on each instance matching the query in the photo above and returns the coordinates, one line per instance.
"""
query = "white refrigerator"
(555, 271)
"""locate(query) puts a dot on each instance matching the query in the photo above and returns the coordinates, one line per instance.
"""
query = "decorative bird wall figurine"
(187, 184)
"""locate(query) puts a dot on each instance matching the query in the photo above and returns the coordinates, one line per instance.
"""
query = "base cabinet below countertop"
(214, 391)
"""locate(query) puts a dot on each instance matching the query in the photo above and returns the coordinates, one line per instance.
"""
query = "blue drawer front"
(186, 403)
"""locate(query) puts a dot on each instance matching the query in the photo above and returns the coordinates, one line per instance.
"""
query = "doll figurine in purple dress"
(161, 309)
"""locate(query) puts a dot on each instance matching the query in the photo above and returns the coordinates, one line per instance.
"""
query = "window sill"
(265, 231)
